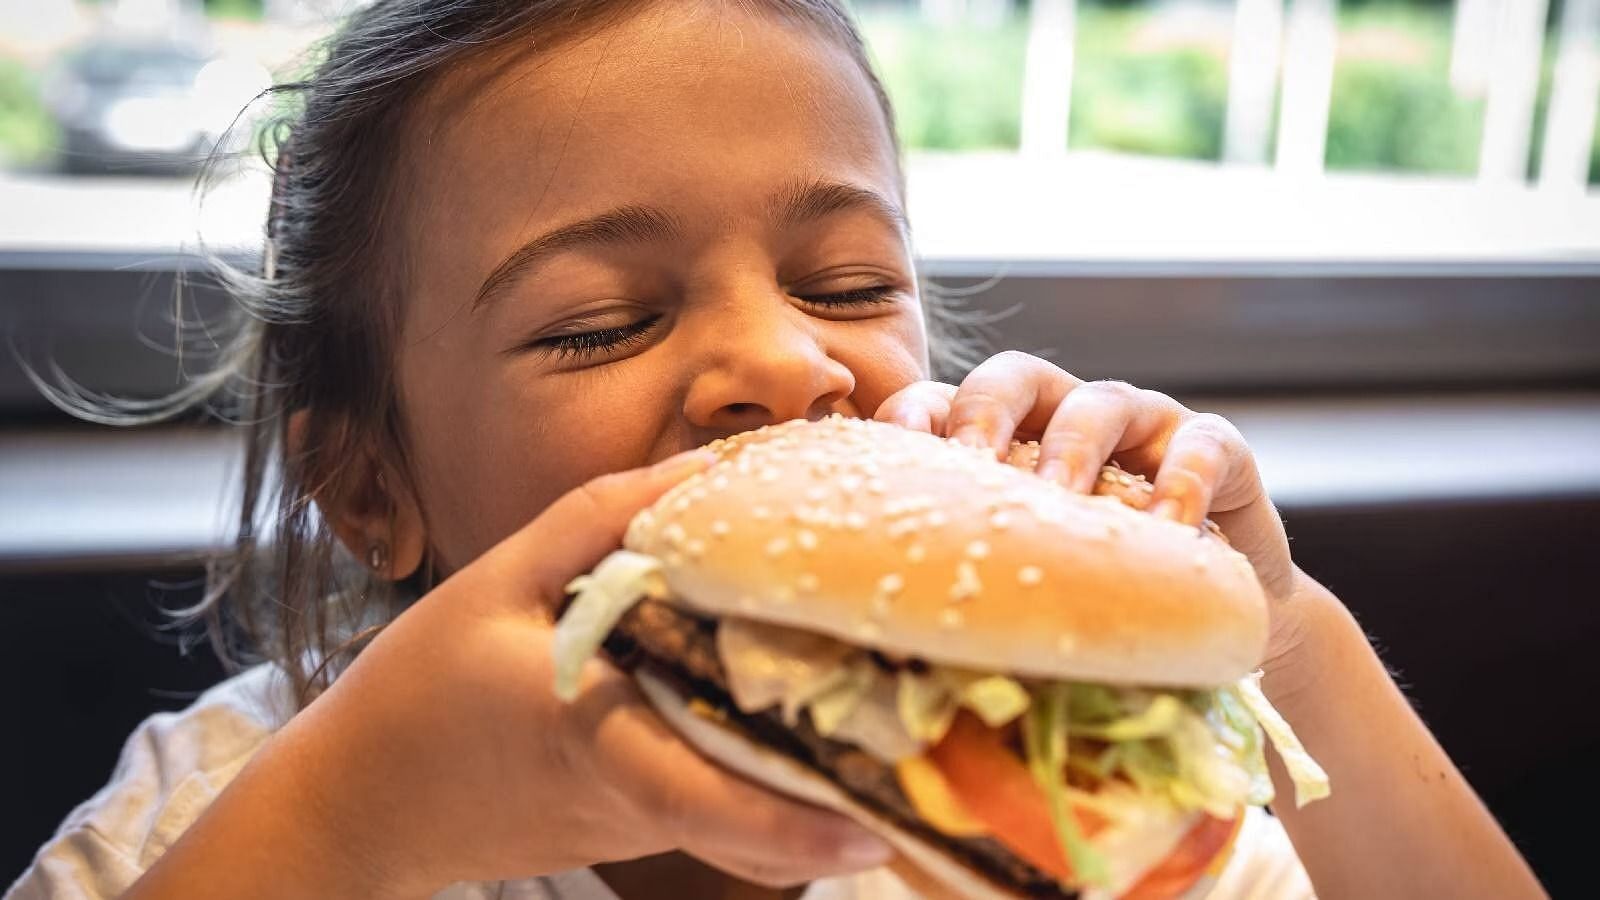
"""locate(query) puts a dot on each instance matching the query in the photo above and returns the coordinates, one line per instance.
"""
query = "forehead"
(697, 107)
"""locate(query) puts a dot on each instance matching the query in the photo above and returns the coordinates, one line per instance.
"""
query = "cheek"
(492, 457)
(884, 358)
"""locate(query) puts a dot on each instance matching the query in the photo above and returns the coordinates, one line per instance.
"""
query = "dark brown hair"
(314, 326)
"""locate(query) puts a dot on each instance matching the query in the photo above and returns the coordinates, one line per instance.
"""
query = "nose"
(763, 363)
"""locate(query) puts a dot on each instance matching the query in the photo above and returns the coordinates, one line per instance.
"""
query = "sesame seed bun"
(911, 544)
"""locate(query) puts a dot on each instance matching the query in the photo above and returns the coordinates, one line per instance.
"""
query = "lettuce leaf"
(996, 699)
(927, 702)
(1310, 781)
(832, 706)
(1159, 717)
(1044, 738)
(603, 598)
(1209, 772)
(926, 705)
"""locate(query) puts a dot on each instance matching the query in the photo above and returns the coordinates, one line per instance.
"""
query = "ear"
(370, 506)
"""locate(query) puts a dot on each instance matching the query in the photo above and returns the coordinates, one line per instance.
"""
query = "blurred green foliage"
(1168, 102)
(1393, 107)
(959, 87)
(954, 87)
(26, 131)
(233, 9)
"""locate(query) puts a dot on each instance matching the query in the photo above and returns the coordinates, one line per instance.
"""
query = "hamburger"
(1026, 691)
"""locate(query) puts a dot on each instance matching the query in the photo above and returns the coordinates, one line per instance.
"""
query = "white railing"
(1290, 46)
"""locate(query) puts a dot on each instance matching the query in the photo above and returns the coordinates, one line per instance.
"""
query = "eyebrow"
(795, 205)
(623, 225)
(805, 201)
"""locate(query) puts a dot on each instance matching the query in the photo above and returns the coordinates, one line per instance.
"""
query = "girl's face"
(683, 226)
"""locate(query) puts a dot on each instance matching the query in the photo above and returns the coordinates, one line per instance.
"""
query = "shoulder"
(170, 769)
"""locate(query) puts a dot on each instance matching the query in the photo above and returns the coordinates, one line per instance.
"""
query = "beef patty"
(681, 648)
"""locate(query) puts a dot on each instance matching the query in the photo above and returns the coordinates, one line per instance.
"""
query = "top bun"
(916, 546)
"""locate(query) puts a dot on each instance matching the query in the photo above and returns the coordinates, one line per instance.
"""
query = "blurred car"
(146, 106)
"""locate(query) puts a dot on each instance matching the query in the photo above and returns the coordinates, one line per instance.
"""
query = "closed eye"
(585, 345)
(866, 296)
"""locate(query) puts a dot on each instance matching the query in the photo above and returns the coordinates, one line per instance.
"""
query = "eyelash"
(866, 296)
(588, 344)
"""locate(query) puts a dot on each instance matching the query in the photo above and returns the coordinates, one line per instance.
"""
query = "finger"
(586, 523)
(1096, 420)
(1208, 467)
(719, 817)
(1006, 393)
(1197, 463)
(921, 406)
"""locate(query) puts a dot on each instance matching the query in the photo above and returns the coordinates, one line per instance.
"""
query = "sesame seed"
(891, 583)
(978, 549)
(967, 584)
(950, 618)
(916, 553)
(902, 527)
(808, 582)
(759, 513)
(1000, 521)
(937, 518)
(719, 483)
(855, 521)
(674, 533)
(777, 546)
(876, 486)
(806, 539)
(720, 528)
(817, 494)
(681, 504)
(1030, 575)
(1199, 562)
(768, 475)
(696, 548)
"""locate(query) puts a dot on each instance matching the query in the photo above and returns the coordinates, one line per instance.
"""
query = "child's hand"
(446, 756)
(1199, 462)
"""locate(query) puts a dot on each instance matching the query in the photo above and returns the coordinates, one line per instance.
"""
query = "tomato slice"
(1187, 862)
(997, 789)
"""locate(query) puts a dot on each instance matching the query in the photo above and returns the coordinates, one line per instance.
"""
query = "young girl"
(523, 257)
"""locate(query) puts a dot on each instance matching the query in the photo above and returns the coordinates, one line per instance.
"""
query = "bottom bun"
(932, 872)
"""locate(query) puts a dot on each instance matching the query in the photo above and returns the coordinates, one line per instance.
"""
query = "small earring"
(378, 556)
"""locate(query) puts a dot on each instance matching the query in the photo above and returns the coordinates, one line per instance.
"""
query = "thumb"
(574, 533)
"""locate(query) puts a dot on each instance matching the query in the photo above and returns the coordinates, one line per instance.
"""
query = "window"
(1337, 179)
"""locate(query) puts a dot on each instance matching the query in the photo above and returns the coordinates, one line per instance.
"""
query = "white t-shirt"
(174, 764)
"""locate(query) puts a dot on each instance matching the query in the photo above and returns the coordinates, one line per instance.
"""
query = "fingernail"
(866, 850)
(684, 464)
(970, 437)
(1167, 509)
(1058, 471)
